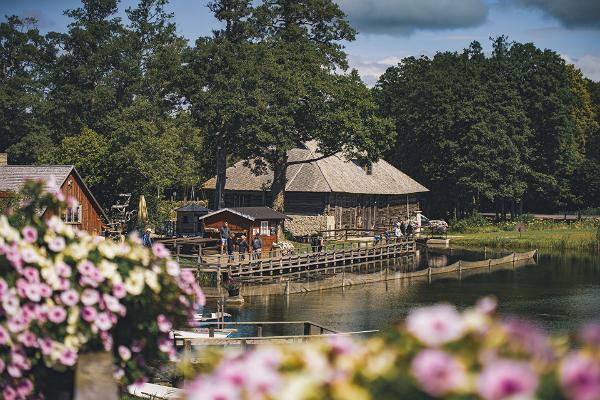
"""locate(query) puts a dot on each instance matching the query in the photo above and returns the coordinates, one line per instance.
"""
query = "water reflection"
(561, 292)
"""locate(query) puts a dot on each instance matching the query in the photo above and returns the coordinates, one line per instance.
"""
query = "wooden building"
(351, 193)
(188, 220)
(249, 221)
(87, 215)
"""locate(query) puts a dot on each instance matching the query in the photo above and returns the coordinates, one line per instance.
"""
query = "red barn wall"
(91, 220)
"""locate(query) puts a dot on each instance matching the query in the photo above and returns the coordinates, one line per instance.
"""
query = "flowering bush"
(64, 292)
(438, 352)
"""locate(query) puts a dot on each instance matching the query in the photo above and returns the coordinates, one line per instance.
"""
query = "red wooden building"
(249, 221)
(88, 215)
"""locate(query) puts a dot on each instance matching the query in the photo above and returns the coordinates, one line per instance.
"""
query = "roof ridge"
(317, 163)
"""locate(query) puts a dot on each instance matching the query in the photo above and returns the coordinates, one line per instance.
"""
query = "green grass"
(557, 237)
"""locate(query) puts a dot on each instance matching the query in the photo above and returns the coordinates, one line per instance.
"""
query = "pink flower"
(89, 297)
(103, 321)
(4, 337)
(438, 373)
(45, 290)
(436, 325)
(69, 297)
(31, 274)
(32, 291)
(24, 388)
(504, 379)
(165, 344)
(14, 371)
(107, 340)
(160, 250)
(57, 314)
(119, 291)
(68, 357)
(46, 345)
(29, 255)
(341, 345)
(9, 393)
(173, 268)
(2, 365)
(86, 267)
(30, 234)
(63, 270)
(164, 325)
(580, 377)
(3, 287)
(112, 303)
(124, 353)
(89, 314)
(212, 389)
(28, 339)
(57, 244)
(528, 337)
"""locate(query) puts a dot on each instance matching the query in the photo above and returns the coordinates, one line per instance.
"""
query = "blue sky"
(392, 29)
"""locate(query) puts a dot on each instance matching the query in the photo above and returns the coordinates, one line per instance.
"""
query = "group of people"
(403, 228)
(232, 245)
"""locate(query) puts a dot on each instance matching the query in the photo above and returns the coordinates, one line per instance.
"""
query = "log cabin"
(88, 215)
(331, 193)
(248, 221)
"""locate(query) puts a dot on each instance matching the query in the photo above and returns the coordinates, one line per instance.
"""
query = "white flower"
(7, 231)
(108, 269)
(173, 268)
(77, 251)
(152, 280)
(134, 284)
(107, 250)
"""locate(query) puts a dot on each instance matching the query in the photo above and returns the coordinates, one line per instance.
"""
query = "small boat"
(153, 391)
(201, 319)
(218, 334)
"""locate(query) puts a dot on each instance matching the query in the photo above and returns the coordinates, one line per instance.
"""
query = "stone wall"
(302, 225)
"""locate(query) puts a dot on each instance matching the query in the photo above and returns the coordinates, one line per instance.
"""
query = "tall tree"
(220, 84)
(25, 58)
(304, 97)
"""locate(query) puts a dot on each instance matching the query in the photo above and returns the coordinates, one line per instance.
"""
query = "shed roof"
(331, 174)
(192, 207)
(13, 178)
(250, 213)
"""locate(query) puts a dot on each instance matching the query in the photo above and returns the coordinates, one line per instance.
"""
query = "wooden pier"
(333, 259)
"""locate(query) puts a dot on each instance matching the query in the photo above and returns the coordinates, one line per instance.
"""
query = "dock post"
(211, 331)
(187, 348)
(429, 274)
(287, 287)
(459, 270)
(219, 277)
(307, 328)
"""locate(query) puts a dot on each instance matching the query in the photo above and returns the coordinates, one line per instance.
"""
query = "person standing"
(224, 234)
(243, 247)
(257, 246)
(409, 229)
(402, 227)
(146, 239)
(230, 245)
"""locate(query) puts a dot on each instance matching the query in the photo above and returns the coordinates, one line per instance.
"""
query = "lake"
(560, 292)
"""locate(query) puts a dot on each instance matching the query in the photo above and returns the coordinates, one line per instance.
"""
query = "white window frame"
(73, 215)
(264, 228)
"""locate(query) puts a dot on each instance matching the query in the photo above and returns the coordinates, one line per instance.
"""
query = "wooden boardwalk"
(336, 258)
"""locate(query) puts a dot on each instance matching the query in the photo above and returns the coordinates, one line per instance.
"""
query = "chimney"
(3, 159)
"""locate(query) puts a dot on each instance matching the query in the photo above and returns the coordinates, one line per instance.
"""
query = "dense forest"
(516, 130)
(137, 108)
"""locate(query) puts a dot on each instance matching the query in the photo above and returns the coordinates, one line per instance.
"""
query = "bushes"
(468, 224)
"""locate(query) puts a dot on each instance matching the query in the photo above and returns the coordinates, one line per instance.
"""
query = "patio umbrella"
(142, 210)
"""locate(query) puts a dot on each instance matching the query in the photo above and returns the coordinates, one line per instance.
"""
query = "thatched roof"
(331, 174)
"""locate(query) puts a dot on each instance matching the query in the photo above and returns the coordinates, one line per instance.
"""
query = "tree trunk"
(221, 177)
(278, 186)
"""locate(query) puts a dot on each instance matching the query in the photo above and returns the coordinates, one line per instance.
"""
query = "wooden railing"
(335, 258)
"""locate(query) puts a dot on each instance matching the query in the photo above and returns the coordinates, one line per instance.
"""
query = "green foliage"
(598, 233)
(468, 224)
(506, 129)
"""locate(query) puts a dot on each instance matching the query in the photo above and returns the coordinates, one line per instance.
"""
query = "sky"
(390, 30)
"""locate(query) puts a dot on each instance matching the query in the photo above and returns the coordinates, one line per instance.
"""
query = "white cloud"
(589, 65)
(371, 70)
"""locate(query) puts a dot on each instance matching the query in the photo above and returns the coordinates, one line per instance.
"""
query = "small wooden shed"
(249, 221)
(188, 219)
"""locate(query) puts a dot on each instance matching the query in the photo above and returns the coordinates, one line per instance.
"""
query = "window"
(264, 228)
(72, 215)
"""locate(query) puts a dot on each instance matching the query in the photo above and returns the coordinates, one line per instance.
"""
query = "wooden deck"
(333, 259)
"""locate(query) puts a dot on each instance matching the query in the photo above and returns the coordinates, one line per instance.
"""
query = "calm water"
(560, 292)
